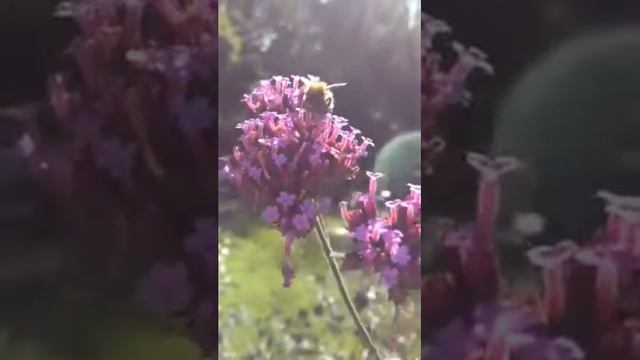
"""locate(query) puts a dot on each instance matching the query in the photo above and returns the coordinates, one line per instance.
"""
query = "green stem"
(335, 270)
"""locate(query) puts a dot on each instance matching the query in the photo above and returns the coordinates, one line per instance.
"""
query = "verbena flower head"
(278, 94)
(622, 231)
(494, 331)
(287, 155)
(389, 243)
(585, 287)
(443, 86)
(133, 101)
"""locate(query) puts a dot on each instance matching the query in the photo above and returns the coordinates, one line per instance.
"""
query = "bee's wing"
(337, 85)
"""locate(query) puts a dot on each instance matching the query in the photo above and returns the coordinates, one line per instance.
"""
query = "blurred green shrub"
(260, 318)
(399, 161)
(573, 119)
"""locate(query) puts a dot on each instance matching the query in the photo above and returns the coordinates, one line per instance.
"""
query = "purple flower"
(195, 116)
(286, 200)
(115, 157)
(270, 214)
(279, 94)
(493, 332)
(255, 172)
(361, 233)
(315, 160)
(547, 349)
(392, 238)
(444, 87)
(401, 256)
(552, 260)
(390, 276)
(318, 148)
(280, 159)
(301, 222)
(367, 251)
(385, 242)
(166, 289)
(307, 208)
(452, 342)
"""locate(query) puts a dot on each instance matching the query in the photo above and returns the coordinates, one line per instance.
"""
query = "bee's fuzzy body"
(318, 97)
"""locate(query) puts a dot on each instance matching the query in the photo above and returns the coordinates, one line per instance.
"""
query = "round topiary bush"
(573, 119)
(399, 161)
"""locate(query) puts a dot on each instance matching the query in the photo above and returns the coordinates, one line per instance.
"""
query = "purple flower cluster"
(588, 307)
(470, 249)
(287, 155)
(443, 86)
(278, 94)
(127, 136)
(622, 232)
(584, 286)
(499, 331)
(390, 243)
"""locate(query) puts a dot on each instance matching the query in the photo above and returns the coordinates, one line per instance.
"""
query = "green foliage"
(145, 344)
(573, 119)
(23, 350)
(258, 316)
(399, 161)
(57, 322)
(227, 35)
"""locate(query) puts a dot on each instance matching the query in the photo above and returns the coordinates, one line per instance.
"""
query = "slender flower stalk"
(329, 254)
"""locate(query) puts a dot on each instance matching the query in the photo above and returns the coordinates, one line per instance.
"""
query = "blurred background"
(562, 100)
(540, 39)
(374, 47)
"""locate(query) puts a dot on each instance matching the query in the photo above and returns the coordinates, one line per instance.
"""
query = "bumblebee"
(318, 97)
